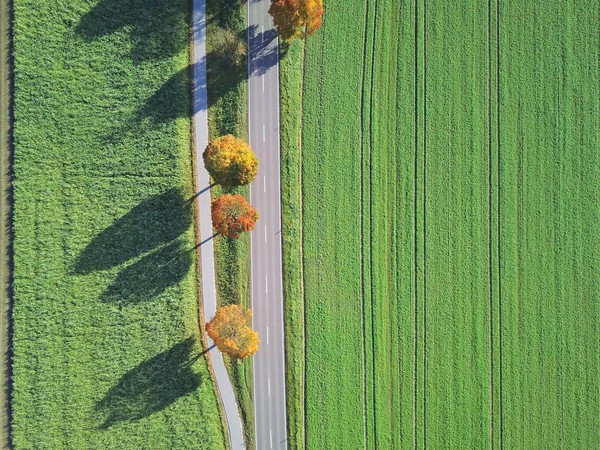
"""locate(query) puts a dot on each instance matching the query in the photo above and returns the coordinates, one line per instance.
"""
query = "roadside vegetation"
(443, 206)
(106, 333)
(5, 223)
(227, 70)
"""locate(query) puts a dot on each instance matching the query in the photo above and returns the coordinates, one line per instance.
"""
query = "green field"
(447, 154)
(106, 333)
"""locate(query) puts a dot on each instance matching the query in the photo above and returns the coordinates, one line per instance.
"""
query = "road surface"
(209, 298)
(266, 265)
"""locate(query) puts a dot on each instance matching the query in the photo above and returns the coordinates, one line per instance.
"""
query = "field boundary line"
(6, 211)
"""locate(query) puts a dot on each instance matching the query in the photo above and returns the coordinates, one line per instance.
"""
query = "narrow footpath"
(209, 297)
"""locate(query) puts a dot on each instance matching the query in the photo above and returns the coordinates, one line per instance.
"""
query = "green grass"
(227, 114)
(106, 335)
(291, 65)
(448, 168)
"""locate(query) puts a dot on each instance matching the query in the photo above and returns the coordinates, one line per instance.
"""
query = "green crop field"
(445, 157)
(106, 335)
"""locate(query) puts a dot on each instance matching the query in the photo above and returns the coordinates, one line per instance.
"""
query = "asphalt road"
(266, 265)
(209, 297)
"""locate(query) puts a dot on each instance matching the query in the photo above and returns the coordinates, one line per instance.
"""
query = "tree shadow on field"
(155, 221)
(151, 275)
(151, 386)
(172, 100)
(158, 28)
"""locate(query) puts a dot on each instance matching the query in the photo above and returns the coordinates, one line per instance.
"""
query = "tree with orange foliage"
(230, 161)
(232, 215)
(231, 332)
(290, 16)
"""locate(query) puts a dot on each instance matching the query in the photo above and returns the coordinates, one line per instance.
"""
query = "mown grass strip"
(106, 333)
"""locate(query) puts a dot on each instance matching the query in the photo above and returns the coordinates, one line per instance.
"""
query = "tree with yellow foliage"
(231, 332)
(296, 18)
(230, 161)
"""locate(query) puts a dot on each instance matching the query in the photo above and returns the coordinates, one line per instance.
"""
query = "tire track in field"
(301, 239)
(362, 227)
(500, 402)
(415, 230)
(372, 258)
(490, 231)
(425, 224)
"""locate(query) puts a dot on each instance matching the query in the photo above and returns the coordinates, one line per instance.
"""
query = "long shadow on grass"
(155, 221)
(151, 275)
(157, 28)
(151, 386)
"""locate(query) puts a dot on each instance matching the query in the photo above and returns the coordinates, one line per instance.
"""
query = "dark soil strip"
(5, 220)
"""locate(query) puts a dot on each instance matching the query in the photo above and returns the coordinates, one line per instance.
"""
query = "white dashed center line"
(265, 233)
(263, 133)
(269, 386)
(266, 283)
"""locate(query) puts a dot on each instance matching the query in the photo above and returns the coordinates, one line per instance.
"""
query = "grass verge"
(227, 114)
(291, 67)
(106, 333)
(5, 222)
